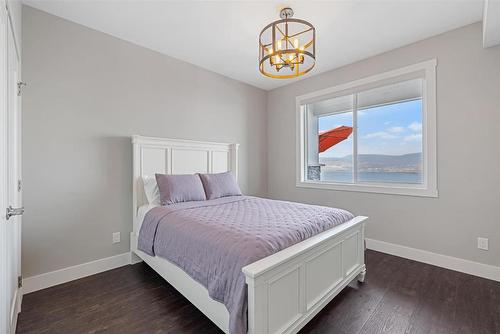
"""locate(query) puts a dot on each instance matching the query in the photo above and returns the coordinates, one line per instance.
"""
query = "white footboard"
(286, 289)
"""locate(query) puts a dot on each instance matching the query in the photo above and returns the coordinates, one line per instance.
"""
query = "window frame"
(425, 70)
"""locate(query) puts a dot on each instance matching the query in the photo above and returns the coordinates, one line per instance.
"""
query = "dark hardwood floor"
(399, 296)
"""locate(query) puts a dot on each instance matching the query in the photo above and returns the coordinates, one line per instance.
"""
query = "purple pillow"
(220, 185)
(179, 188)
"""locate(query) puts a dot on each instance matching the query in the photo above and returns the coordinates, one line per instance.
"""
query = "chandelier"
(287, 47)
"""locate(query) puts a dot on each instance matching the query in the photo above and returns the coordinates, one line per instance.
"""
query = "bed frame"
(286, 289)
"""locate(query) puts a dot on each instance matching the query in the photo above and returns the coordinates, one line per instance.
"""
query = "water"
(379, 177)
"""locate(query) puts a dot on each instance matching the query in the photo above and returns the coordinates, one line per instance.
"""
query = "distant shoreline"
(375, 163)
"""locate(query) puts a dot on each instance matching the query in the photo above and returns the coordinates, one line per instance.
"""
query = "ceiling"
(222, 36)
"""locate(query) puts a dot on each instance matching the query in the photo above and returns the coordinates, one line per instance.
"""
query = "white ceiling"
(222, 36)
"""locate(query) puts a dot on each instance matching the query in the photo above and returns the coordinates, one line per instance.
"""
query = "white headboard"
(175, 156)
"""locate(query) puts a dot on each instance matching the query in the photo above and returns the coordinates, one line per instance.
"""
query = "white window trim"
(429, 186)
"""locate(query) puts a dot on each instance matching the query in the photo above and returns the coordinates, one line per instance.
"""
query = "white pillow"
(151, 190)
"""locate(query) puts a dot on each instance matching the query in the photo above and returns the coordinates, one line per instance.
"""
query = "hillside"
(377, 162)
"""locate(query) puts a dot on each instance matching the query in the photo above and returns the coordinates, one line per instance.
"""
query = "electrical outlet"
(482, 243)
(116, 237)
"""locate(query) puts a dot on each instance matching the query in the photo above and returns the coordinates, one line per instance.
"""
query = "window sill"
(371, 188)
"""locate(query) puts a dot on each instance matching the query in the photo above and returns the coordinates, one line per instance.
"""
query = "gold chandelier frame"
(291, 56)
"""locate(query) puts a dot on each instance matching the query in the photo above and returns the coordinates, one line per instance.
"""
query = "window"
(375, 135)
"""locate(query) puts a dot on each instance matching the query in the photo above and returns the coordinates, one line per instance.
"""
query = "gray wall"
(88, 93)
(468, 102)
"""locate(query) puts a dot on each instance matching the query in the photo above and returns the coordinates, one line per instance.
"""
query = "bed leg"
(134, 258)
(362, 275)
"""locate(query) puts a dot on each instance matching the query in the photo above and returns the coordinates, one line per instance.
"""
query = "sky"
(394, 129)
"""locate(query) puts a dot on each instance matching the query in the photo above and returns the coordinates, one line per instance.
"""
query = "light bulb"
(290, 56)
(270, 51)
(279, 44)
(296, 43)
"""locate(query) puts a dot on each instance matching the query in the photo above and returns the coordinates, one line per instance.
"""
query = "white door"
(10, 175)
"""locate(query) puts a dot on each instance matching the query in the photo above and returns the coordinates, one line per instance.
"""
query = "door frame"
(14, 196)
(4, 298)
(10, 299)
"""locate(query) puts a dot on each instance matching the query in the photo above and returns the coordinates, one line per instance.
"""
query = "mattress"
(141, 213)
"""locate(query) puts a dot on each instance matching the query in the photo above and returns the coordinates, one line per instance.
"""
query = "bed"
(284, 290)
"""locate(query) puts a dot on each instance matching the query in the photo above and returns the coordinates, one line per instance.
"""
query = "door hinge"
(20, 86)
(10, 211)
(19, 186)
(19, 282)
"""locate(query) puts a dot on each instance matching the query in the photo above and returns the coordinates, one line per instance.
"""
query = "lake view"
(391, 177)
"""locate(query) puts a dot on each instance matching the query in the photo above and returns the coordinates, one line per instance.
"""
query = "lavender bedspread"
(213, 240)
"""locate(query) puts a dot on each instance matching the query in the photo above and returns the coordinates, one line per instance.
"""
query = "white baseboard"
(444, 261)
(64, 275)
(16, 308)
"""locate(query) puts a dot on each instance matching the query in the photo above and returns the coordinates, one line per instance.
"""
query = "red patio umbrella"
(332, 137)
